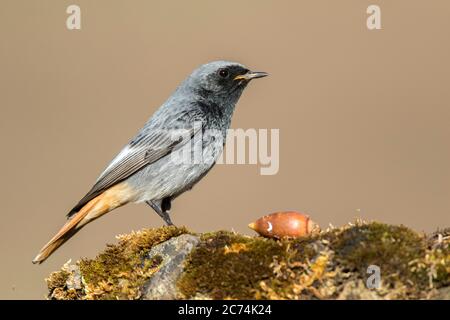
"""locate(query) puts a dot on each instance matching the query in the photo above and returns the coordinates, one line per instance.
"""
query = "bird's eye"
(223, 73)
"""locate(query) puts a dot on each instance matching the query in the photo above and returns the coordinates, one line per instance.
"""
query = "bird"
(157, 164)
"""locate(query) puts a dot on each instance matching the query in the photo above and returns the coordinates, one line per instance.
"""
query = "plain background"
(363, 115)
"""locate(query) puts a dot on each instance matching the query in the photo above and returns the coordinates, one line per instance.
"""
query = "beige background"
(363, 115)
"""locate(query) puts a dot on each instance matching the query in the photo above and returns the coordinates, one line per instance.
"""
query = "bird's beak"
(251, 75)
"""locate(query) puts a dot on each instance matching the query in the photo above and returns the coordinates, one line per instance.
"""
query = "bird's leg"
(162, 208)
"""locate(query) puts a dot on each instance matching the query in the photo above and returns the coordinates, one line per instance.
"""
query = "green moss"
(224, 265)
(57, 279)
(314, 267)
(392, 248)
(120, 270)
(435, 265)
(59, 285)
(228, 265)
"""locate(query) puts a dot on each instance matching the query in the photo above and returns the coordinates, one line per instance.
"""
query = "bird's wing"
(136, 155)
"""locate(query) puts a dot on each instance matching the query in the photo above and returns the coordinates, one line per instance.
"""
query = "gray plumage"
(204, 97)
(150, 168)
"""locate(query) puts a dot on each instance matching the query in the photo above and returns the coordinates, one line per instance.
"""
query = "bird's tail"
(95, 208)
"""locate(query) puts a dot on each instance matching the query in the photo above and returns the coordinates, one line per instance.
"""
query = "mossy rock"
(331, 264)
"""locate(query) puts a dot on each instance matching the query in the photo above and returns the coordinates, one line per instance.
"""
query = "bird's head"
(222, 81)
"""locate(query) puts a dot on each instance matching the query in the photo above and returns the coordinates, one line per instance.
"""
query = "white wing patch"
(122, 154)
(270, 226)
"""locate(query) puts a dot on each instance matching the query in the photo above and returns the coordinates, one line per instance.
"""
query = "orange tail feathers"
(104, 203)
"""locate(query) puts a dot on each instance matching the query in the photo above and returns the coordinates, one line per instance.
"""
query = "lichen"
(57, 279)
(330, 264)
(61, 284)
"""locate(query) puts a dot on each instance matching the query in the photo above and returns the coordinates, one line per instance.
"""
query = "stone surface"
(173, 252)
(356, 290)
(174, 263)
(441, 294)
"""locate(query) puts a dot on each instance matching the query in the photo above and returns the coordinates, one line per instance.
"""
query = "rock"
(65, 284)
(356, 290)
(174, 263)
(74, 279)
(441, 294)
(173, 252)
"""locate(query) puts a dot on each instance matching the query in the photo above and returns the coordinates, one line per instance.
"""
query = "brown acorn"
(284, 224)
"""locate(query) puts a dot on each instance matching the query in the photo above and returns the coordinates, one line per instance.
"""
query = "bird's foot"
(165, 216)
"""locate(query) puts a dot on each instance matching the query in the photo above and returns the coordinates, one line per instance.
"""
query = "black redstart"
(145, 170)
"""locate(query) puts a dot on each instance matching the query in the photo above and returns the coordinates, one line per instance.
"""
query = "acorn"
(283, 224)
